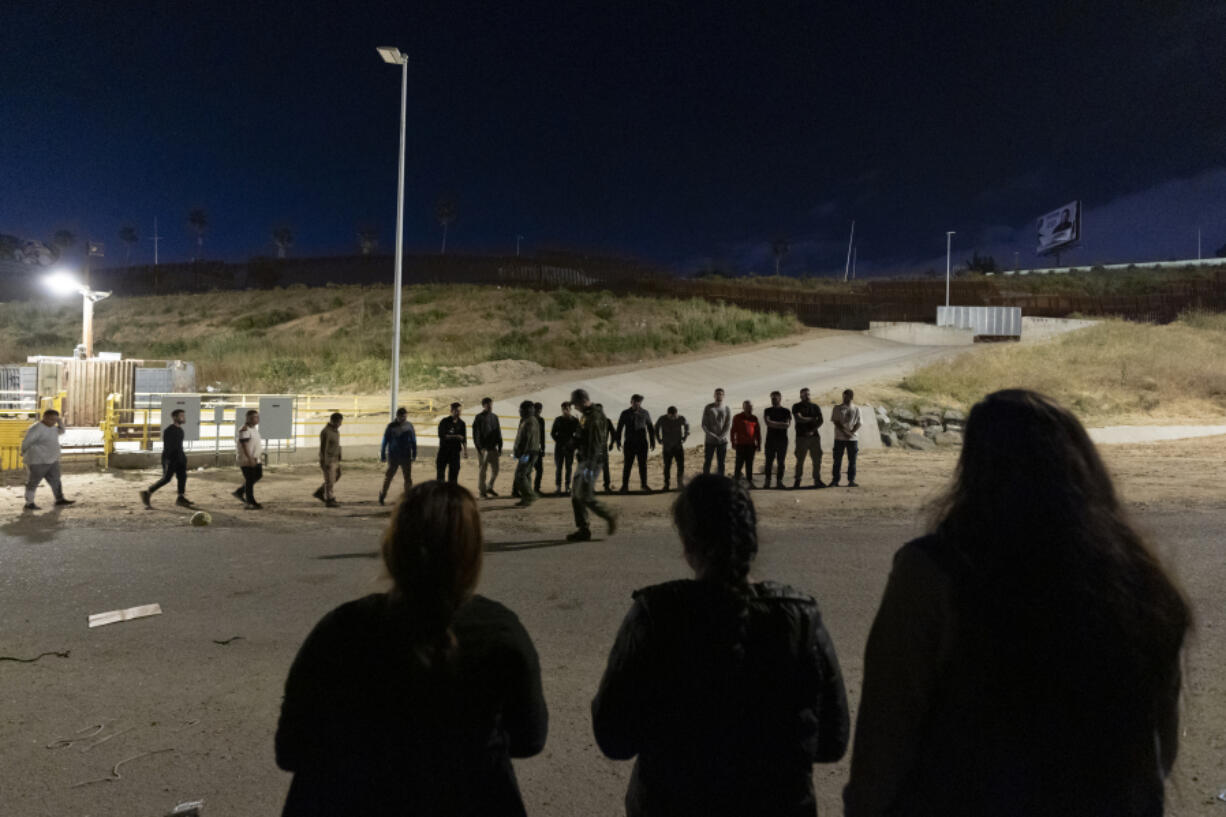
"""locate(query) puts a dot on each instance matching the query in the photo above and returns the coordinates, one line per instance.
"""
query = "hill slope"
(339, 338)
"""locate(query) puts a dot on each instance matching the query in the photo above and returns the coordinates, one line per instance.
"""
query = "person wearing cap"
(399, 449)
(591, 450)
(452, 442)
(672, 430)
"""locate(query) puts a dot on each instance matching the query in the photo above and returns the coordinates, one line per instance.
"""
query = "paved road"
(168, 681)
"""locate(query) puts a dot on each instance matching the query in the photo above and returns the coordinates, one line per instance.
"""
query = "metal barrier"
(13, 427)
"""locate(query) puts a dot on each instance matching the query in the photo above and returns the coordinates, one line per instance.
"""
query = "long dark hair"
(1050, 577)
(432, 550)
(719, 528)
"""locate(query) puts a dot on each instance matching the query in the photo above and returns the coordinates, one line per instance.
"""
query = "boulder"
(881, 412)
(917, 442)
(931, 410)
(953, 416)
(904, 414)
(931, 431)
(930, 420)
(948, 438)
(887, 439)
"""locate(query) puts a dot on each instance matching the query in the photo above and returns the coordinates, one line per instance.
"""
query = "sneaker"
(62, 501)
(778, 486)
(253, 506)
(332, 503)
(319, 494)
(184, 502)
(239, 494)
(523, 503)
(667, 488)
(851, 483)
(492, 492)
(766, 483)
(795, 485)
(833, 484)
(611, 522)
(383, 496)
(144, 498)
(624, 490)
(819, 484)
(581, 535)
(30, 506)
(647, 489)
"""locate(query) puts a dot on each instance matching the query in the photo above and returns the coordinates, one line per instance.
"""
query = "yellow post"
(108, 431)
(144, 444)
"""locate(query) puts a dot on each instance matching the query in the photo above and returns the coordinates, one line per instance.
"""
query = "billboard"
(1060, 228)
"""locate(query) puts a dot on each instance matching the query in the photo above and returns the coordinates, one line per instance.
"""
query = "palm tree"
(368, 240)
(445, 212)
(129, 237)
(780, 248)
(199, 221)
(283, 237)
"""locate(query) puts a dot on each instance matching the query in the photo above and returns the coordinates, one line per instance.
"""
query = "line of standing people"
(1025, 659)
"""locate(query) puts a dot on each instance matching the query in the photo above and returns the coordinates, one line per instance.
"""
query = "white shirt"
(845, 417)
(255, 445)
(41, 445)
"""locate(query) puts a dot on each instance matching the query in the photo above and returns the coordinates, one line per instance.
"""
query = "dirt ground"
(203, 705)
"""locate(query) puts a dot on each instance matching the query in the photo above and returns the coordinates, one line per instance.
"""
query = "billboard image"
(1060, 228)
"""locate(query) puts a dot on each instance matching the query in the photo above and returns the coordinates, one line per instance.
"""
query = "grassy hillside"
(1112, 372)
(339, 338)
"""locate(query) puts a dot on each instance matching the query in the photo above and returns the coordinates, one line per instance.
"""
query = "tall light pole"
(948, 239)
(518, 239)
(61, 282)
(395, 56)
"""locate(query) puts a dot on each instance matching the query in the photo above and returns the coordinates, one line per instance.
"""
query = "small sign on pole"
(96, 249)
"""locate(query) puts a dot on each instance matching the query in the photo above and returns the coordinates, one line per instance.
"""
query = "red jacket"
(746, 430)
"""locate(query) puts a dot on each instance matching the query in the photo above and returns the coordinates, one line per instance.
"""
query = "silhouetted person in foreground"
(414, 701)
(1025, 657)
(727, 690)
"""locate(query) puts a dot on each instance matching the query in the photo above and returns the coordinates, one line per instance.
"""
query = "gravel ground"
(199, 686)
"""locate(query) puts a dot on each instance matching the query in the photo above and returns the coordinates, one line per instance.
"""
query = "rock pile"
(921, 430)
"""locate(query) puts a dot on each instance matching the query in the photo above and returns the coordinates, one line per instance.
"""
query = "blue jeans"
(852, 447)
(719, 451)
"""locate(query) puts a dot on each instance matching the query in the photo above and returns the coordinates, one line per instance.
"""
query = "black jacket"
(368, 731)
(638, 427)
(726, 700)
(563, 432)
(487, 432)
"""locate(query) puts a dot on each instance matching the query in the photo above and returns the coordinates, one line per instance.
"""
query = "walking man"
(249, 449)
(330, 459)
(746, 441)
(539, 466)
(452, 441)
(778, 420)
(636, 423)
(608, 443)
(672, 431)
(487, 437)
(563, 434)
(174, 461)
(40, 450)
(590, 452)
(399, 449)
(846, 419)
(808, 443)
(526, 451)
(716, 422)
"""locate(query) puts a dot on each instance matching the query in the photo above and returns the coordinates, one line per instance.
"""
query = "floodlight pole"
(948, 243)
(403, 60)
(850, 239)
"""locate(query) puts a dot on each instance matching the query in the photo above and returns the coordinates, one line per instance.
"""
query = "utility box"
(190, 404)
(277, 418)
(987, 322)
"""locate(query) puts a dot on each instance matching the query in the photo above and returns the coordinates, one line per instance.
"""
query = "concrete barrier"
(921, 334)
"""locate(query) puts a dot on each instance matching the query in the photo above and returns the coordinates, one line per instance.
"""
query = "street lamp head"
(62, 282)
(392, 54)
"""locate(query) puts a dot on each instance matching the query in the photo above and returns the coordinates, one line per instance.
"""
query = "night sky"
(683, 133)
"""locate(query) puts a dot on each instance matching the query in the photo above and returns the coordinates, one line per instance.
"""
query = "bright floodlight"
(391, 53)
(62, 282)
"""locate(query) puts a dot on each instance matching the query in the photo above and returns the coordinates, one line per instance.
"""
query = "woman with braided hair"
(727, 690)
(414, 701)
